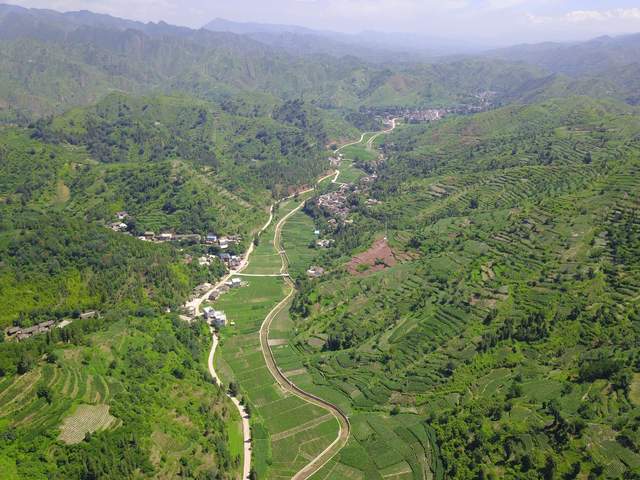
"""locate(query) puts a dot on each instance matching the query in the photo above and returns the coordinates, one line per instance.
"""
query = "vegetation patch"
(85, 420)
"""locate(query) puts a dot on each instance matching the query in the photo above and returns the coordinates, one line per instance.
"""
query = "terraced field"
(522, 283)
(88, 397)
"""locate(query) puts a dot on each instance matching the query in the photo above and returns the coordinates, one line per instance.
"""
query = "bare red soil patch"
(378, 257)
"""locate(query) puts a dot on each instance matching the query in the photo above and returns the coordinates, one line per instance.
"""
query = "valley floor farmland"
(292, 433)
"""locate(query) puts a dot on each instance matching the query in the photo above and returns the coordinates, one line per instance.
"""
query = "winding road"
(345, 427)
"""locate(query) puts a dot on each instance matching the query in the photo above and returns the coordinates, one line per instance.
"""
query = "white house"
(214, 317)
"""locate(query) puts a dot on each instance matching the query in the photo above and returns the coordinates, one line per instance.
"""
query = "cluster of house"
(424, 115)
(119, 225)
(222, 242)
(22, 333)
(215, 318)
(150, 236)
(335, 203)
(231, 261)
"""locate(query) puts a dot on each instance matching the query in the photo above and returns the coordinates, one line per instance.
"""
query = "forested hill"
(50, 62)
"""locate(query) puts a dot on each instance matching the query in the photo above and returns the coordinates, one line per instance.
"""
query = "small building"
(236, 282)
(118, 226)
(219, 319)
(225, 257)
(325, 243)
(148, 234)
(211, 238)
(11, 331)
(89, 314)
(29, 331)
(215, 317)
(121, 215)
(165, 237)
(46, 326)
(316, 232)
(315, 272)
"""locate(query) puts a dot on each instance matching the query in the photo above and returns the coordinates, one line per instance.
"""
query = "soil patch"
(378, 257)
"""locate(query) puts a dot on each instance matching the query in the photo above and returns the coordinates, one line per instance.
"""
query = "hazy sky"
(504, 21)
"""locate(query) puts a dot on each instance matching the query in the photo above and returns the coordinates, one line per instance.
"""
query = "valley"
(269, 252)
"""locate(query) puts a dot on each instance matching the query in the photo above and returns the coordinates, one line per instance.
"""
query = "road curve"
(345, 427)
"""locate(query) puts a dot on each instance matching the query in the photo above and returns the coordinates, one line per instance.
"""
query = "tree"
(44, 392)
(233, 389)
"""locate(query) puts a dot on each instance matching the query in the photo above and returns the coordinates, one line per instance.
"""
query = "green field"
(287, 432)
(349, 173)
(297, 239)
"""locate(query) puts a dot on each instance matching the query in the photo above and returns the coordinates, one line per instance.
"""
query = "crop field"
(287, 432)
(298, 239)
(86, 419)
(383, 447)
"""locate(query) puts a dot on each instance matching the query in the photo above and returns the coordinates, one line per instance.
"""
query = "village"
(22, 333)
(223, 242)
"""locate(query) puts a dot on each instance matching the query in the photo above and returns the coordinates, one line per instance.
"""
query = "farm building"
(89, 314)
(324, 243)
(214, 317)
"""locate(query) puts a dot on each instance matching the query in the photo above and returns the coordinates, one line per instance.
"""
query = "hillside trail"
(345, 427)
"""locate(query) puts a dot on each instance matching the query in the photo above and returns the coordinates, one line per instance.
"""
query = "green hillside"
(506, 333)
(121, 397)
